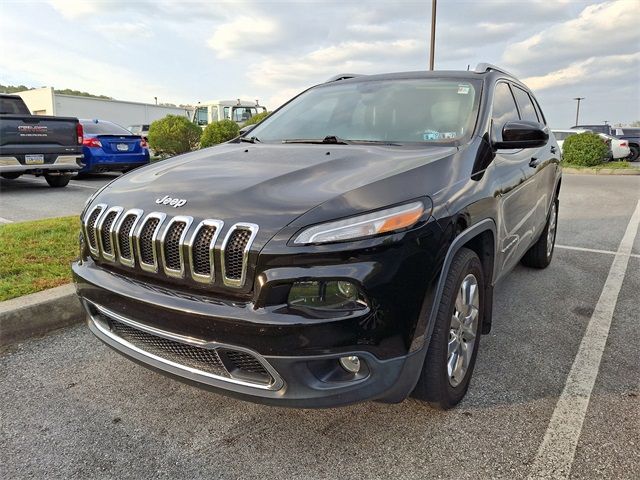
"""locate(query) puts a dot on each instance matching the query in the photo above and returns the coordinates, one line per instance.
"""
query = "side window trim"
(513, 98)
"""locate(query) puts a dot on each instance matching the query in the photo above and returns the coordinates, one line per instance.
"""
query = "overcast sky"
(185, 52)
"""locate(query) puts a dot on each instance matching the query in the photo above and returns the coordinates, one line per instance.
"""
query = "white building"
(44, 101)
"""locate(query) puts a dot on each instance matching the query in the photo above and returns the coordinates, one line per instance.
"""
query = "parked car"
(631, 134)
(618, 149)
(346, 250)
(562, 135)
(109, 147)
(36, 144)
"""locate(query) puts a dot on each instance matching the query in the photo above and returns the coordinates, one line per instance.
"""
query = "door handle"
(533, 162)
(553, 149)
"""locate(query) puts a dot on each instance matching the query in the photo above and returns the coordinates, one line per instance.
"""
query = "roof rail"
(485, 67)
(343, 76)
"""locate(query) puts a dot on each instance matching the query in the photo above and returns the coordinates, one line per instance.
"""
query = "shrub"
(256, 118)
(174, 135)
(218, 132)
(585, 149)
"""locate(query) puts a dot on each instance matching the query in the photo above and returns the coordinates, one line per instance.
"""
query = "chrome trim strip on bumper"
(63, 162)
(103, 332)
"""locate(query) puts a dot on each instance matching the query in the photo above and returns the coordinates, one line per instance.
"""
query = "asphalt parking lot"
(72, 408)
(30, 198)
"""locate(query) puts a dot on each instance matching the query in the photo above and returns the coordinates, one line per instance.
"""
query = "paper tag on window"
(463, 89)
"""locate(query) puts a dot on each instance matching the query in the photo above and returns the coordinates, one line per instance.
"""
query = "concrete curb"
(602, 171)
(39, 313)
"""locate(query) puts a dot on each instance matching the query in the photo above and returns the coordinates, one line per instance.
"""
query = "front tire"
(541, 252)
(452, 352)
(57, 181)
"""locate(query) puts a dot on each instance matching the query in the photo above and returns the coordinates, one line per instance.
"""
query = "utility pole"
(578, 108)
(156, 98)
(432, 53)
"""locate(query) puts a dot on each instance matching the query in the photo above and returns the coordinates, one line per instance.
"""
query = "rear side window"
(527, 111)
(104, 128)
(504, 109)
(13, 106)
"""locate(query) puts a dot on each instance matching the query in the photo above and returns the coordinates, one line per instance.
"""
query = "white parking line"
(592, 250)
(557, 451)
(74, 184)
(5, 220)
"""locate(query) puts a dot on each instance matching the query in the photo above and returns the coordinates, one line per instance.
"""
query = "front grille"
(216, 360)
(234, 253)
(171, 246)
(146, 241)
(123, 236)
(112, 234)
(91, 227)
(105, 233)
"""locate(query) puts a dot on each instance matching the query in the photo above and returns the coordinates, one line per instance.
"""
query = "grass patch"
(37, 255)
(611, 165)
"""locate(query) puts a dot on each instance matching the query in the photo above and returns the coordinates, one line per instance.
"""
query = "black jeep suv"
(344, 249)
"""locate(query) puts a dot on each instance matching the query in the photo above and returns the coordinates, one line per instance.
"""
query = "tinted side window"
(538, 110)
(504, 109)
(527, 111)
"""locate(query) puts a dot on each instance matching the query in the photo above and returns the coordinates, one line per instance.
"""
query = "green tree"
(585, 149)
(173, 135)
(256, 118)
(218, 132)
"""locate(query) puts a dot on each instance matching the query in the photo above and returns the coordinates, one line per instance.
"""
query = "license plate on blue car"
(122, 147)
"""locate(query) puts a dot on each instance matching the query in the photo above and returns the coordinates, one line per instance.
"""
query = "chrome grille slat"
(172, 242)
(90, 227)
(123, 233)
(235, 253)
(105, 229)
(146, 239)
(201, 248)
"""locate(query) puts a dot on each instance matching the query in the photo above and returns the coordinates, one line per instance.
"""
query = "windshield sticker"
(448, 135)
(430, 135)
(463, 89)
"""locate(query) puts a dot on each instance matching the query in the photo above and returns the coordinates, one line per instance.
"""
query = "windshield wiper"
(328, 139)
(378, 142)
(250, 139)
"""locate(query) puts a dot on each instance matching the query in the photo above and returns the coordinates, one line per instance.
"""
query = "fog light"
(350, 364)
(336, 295)
(348, 289)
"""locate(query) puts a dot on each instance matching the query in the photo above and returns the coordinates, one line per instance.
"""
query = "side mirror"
(246, 129)
(522, 134)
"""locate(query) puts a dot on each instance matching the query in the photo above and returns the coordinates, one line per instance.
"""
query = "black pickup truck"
(631, 134)
(38, 145)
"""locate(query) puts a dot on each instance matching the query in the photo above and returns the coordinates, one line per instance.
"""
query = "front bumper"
(301, 371)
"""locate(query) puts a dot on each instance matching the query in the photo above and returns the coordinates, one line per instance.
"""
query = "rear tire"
(57, 181)
(541, 253)
(635, 153)
(452, 352)
(11, 175)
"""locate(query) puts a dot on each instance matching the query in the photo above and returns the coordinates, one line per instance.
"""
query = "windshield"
(103, 128)
(385, 111)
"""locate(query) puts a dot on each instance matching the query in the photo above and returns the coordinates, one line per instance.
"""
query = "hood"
(270, 185)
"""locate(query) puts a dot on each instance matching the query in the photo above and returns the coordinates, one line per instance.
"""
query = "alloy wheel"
(463, 330)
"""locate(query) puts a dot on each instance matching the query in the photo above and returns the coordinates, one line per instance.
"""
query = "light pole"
(578, 108)
(432, 52)
(156, 99)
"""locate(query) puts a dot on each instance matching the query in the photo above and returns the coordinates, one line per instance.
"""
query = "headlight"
(366, 225)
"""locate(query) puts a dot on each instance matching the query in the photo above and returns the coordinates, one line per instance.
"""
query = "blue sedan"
(109, 147)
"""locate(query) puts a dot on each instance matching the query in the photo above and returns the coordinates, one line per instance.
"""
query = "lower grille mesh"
(228, 364)
(202, 359)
